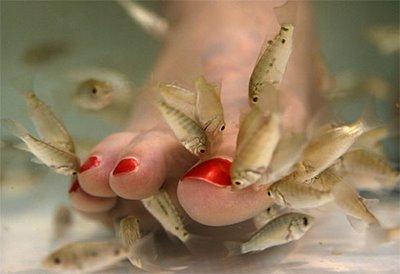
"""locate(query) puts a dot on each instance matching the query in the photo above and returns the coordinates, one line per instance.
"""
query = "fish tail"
(234, 248)
(14, 128)
(376, 235)
(369, 118)
(199, 245)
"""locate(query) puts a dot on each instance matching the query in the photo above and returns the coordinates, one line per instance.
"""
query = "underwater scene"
(200, 136)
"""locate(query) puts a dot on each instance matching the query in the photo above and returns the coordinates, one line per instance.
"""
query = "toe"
(93, 174)
(84, 202)
(142, 167)
(206, 195)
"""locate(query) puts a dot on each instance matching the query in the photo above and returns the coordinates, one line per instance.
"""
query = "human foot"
(135, 165)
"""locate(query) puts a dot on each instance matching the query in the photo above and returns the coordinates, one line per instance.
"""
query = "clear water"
(100, 34)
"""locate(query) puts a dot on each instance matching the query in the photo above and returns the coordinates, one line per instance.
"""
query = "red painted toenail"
(126, 165)
(74, 187)
(215, 171)
(92, 162)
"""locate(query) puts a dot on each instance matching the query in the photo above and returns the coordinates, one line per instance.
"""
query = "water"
(100, 34)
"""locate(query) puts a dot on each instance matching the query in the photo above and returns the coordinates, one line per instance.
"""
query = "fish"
(323, 150)
(385, 38)
(281, 230)
(254, 156)
(45, 52)
(267, 215)
(99, 89)
(187, 131)
(271, 65)
(354, 206)
(85, 256)
(368, 170)
(142, 251)
(291, 193)
(62, 221)
(152, 23)
(50, 129)
(93, 94)
(287, 153)
(209, 110)
(166, 213)
(179, 98)
(62, 162)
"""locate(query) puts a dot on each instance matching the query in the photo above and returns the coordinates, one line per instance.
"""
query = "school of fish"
(298, 170)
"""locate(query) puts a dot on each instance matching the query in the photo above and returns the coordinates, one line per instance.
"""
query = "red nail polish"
(215, 171)
(125, 166)
(92, 162)
(74, 187)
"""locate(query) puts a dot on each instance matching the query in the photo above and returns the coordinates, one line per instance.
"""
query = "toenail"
(74, 187)
(215, 171)
(91, 162)
(125, 166)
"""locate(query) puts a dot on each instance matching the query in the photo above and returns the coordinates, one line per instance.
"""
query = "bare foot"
(220, 40)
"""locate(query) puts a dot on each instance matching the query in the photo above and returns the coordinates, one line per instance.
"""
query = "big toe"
(206, 195)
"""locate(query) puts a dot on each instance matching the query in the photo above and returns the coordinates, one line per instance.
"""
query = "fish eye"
(269, 193)
(222, 128)
(285, 29)
(238, 183)
(202, 150)
(283, 41)
(94, 90)
(268, 209)
(57, 260)
(305, 221)
(255, 99)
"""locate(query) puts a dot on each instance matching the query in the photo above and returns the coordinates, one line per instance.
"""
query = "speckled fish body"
(188, 132)
(85, 256)
(179, 98)
(281, 230)
(272, 63)
(267, 215)
(60, 161)
(163, 209)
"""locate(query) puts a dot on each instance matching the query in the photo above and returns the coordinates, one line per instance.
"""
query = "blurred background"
(81, 35)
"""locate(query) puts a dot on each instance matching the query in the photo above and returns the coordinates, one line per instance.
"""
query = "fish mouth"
(215, 171)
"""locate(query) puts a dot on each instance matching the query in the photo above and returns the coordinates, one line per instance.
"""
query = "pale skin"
(224, 47)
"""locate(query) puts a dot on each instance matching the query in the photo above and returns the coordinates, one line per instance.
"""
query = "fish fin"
(144, 252)
(357, 224)
(14, 128)
(370, 202)
(22, 146)
(369, 118)
(234, 248)
(287, 13)
(37, 161)
(375, 236)
(200, 245)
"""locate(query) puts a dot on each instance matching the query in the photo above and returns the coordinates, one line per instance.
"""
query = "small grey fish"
(163, 209)
(188, 132)
(252, 160)
(60, 161)
(62, 221)
(271, 64)
(85, 256)
(50, 129)
(281, 230)
(291, 193)
(209, 110)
